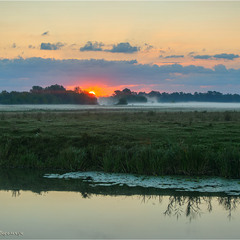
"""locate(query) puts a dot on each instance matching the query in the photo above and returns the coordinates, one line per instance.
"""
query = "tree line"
(54, 94)
(57, 94)
(127, 96)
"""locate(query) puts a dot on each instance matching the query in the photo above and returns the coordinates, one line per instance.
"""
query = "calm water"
(187, 106)
(67, 208)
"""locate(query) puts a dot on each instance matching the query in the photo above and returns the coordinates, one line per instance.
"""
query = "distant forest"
(54, 94)
(57, 94)
(127, 96)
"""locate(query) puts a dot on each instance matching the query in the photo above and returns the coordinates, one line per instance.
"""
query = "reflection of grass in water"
(179, 204)
(190, 206)
(154, 143)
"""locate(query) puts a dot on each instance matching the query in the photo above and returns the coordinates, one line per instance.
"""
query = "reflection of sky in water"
(69, 215)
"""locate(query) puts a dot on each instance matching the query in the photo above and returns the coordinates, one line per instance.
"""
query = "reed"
(152, 143)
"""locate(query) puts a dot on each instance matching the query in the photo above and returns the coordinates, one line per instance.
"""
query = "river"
(41, 207)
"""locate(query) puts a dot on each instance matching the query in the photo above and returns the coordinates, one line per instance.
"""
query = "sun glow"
(100, 90)
(92, 92)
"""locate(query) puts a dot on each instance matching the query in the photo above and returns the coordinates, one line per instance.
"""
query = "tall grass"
(194, 143)
(175, 159)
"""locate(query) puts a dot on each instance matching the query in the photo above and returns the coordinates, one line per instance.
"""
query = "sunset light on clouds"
(104, 46)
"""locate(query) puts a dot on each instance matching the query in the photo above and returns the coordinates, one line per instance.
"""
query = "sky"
(107, 45)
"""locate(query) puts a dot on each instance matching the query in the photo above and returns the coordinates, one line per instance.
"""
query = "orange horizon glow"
(101, 90)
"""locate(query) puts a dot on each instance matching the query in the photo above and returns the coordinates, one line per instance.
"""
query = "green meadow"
(139, 142)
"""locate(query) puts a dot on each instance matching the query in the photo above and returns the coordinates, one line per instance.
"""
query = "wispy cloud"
(226, 56)
(202, 57)
(191, 53)
(45, 33)
(31, 46)
(172, 56)
(148, 47)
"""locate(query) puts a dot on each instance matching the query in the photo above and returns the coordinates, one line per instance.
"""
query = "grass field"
(141, 142)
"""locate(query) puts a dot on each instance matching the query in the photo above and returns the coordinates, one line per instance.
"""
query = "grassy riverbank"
(154, 143)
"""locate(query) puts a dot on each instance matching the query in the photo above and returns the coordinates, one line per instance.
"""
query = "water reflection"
(16, 193)
(192, 206)
(179, 204)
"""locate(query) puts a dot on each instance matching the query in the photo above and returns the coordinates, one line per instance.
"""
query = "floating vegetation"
(209, 185)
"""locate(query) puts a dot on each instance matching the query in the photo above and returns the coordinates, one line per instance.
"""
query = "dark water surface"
(71, 208)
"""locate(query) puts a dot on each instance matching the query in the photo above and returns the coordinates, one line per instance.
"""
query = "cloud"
(220, 68)
(174, 56)
(31, 46)
(202, 57)
(123, 47)
(226, 56)
(191, 53)
(71, 72)
(162, 51)
(148, 47)
(92, 46)
(14, 45)
(217, 56)
(45, 33)
(171, 62)
(51, 46)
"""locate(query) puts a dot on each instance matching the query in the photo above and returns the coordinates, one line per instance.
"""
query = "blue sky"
(165, 46)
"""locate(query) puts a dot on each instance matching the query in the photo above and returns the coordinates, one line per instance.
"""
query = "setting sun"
(92, 92)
